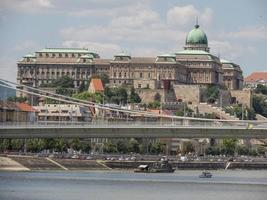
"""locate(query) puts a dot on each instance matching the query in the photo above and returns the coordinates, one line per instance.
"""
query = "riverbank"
(25, 163)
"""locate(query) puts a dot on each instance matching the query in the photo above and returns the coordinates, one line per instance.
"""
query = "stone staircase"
(207, 108)
(169, 96)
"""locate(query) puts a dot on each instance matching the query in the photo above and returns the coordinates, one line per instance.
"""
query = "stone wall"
(151, 84)
(148, 95)
(188, 93)
(243, 97)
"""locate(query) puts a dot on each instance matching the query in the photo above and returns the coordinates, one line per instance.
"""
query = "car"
(74, 156)
(89, 158)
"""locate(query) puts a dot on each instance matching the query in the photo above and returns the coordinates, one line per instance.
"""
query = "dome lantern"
(196, 39)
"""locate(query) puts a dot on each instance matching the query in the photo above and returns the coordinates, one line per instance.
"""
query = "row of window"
(59, 55)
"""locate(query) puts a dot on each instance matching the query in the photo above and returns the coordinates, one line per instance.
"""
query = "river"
(118, 185)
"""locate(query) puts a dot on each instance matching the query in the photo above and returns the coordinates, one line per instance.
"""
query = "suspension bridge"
(117, 122)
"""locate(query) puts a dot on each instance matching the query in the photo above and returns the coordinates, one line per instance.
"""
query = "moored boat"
(158, 167)
(205, 174)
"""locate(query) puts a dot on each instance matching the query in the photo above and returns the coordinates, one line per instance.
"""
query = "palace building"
(194, 65)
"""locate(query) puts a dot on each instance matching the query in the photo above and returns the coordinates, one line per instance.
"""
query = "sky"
(236, 30)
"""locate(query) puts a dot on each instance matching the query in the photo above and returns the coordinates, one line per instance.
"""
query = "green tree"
(61, 145)
(109, 147)
(87, 96)
(242, 150)
(63, 82)
(259, 105)
(17, 99)
(212, 93)
(133, 146)
(86, 147)
(64, 91)
(83, 87)
(76, 144)
(116, 95)
(154, 105)
(122, 146)
(261, 89)
(156, 147)
(5, 144)
(134, 97)
(229, 146)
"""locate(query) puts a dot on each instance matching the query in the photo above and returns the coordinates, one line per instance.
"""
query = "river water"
(118, 185)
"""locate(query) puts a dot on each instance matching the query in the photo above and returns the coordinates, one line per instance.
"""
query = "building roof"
(25, 107)
(196, 36)
(143, 60)
(256, 76)
(68, 50)
(99, 61)
(97, 83)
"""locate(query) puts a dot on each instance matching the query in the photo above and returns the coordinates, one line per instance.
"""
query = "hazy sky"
(236, 30)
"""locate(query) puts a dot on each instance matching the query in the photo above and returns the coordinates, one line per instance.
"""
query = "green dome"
(196, 36)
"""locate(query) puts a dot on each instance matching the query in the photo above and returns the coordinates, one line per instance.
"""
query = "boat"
(157, 167)
(205, 174)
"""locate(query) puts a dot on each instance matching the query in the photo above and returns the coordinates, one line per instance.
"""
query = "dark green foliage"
(17, 99)
(259, 104)
(87, 96)
(83, 87)
(212, 93)
(156, 147)
(245, 112)
(229, 146)
(186, 111)
(261, 89)
(133, 146)
(64, 91)
(122, 146)
(116, 95)
(213, 151)
(109, 147)
(154, 105)
(134, 97)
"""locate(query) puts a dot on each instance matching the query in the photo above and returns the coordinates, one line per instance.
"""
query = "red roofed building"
(96, 86)
(24, 107)
(256, 78)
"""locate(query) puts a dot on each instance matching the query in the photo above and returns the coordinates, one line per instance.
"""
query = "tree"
(83, 87)
(156, 147)
(133, 146)
(259, 105)
(212, 93)
(61, 145)
(134, 97)
(154, 105)
(116, 95)
(229, 146)
(63, 82)
(261, 89)
(17, 99)
(64, 91)
(86, 147)
(109, 147)
(76, 144)
(157, 97)
(87, 96)
(122, 146)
